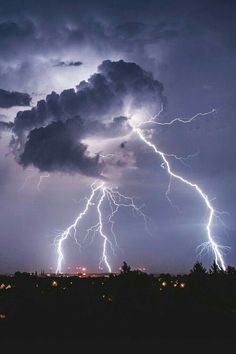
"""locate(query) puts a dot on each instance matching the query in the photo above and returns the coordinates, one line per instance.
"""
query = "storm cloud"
(71, 63)
(101, 97)
(57, 148)
(11, 99)
(5, 126)
(49, 135)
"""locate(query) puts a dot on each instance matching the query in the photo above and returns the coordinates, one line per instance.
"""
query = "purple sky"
(183, 56)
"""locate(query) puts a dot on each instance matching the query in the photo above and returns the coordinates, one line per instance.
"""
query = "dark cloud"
(95, 107)
(10, 31)
(71, 63)
(122, 145)
(5, 126)
(57, 148)
(11, 99)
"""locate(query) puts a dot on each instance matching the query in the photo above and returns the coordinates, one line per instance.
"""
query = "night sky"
(73, 75)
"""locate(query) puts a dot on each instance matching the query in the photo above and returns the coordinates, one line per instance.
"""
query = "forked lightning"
(216, 248)
(100, 193)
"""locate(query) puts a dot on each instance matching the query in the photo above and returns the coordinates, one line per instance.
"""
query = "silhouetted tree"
(198, 269)
(231, 270)
(215, 269)
(125, 268)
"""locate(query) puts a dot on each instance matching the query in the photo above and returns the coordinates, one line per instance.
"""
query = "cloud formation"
(71, 63)
(11, 99)
(56, 147)
(5, 126)
(49, 135)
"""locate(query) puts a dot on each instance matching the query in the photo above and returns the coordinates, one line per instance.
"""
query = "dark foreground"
(129, 305)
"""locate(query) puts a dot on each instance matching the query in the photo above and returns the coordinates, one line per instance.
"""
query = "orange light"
(54, 283)
(2, 316)
(174, 285)
(2, 286)
(182, 285)
(164, 283)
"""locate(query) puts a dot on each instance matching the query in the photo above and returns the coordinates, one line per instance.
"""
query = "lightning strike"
(175, 120)
(105, 239)
(72, 228)
(100, 195)
(27, 178)
(41, 177)
(215, 247)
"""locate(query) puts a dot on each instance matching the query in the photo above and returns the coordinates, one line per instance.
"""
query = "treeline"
(129, 304)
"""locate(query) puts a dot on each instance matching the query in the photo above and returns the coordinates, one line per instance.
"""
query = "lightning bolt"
(216, 248)
(175, 120)
(105, 239)
(41, 177)
(27, 178)
(72, 228)
(100, 193)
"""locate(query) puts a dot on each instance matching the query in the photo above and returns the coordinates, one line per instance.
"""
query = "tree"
(215, 269)
(198, 269)
(231, 270)
(125, 268)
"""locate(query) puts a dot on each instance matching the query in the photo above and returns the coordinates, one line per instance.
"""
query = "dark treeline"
(130, 304)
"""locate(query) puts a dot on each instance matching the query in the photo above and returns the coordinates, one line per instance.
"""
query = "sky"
(75, 76)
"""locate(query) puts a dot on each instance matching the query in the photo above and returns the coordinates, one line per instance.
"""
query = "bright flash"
(145, 136)
(100, 193)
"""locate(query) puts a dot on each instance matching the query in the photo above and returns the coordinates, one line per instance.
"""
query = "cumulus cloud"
(56, 147)
(103, 96)
(11, 99)
(49, 135)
